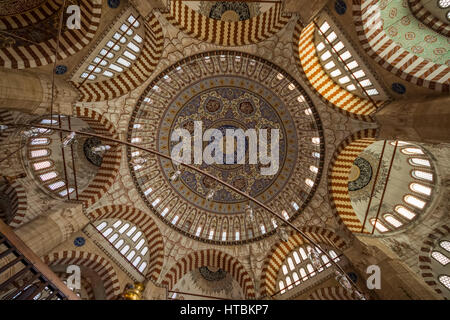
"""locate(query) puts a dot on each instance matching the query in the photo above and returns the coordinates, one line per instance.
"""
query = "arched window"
(288, 283)
(339, 62)
(309, 182)
(48, 176)
(281, 285)
(295, 278)
(303, 254)
(303, 274)
(128, 239)
(314, 169)
(296, 258)
(285, 270)
(311, 271)
(39, 141)
(42, 165)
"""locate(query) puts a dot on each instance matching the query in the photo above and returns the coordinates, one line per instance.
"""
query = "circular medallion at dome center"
(228, 104)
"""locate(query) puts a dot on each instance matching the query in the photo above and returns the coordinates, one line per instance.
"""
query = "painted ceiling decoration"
(139, 71)
(393, 38)
(422, 14)
(219, 89)
(37, 45)
(226, 33)
(318, 79)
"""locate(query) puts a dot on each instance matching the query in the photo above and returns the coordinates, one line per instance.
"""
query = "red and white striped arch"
(281, 250)
(338, 172)
(224, 33)
(391, 55)
(99, 265)
(318, 80)
(426, 270)
(147, 226)
(212, 258)
(6, 117)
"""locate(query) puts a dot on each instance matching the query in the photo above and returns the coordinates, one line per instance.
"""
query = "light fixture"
(69, 139)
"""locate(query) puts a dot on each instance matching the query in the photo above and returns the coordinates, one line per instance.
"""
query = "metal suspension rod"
(189, 166)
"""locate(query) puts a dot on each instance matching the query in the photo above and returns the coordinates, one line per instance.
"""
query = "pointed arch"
(212, 258)
(97, 264)
(280, 250)
(338, 172)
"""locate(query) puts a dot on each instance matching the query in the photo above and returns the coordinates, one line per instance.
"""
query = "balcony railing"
(23, 276)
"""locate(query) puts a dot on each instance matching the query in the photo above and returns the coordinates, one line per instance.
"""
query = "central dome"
(225, 92)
